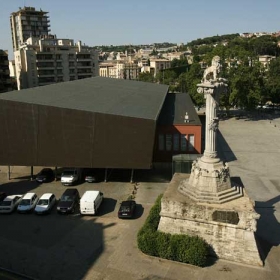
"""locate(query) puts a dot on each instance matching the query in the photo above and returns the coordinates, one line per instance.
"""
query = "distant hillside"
(213, 40)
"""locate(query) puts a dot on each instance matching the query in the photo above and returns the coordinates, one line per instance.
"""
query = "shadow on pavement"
(139, 210)
(19, 187)
(41, 250)
(268, 228)
(224, 151)
(108, 205)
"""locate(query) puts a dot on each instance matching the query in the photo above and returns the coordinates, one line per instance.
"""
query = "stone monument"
(207, 203)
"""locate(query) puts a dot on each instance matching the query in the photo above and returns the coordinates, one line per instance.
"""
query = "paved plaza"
(104, 248)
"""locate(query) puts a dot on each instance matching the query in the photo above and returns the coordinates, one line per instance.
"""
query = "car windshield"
(25, 202)
(66, 198)
(68, 173)
(43, 202)
(5, 203)
(125, 209)
(44, 172)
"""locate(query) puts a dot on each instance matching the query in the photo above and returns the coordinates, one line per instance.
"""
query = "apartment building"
(5, 82)
(159, 64)
(266, 59)
(109, 69)
(43, 61)
(27, 22)
(131, 71)
(119, 69)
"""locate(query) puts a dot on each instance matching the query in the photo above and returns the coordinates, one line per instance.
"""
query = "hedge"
(176, 247)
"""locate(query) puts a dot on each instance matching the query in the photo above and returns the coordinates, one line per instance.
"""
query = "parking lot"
(59, 246)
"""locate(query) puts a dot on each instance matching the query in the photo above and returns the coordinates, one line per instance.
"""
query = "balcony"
(46, 75)
(45, 83)
(45, 68)
(5, 71)
(46, 58)
(84, 66)
(45, 65)
(84, 75)
(85, 57)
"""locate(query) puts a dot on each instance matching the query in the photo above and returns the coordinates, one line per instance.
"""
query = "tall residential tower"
(27, 22)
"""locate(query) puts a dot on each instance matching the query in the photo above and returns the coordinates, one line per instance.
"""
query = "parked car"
(71, 176)
(69, 201)
(2, 196)
(90, 175)
(27, 203)
(90, 202)
(45, 203)
(10, 203)
(127, 209)
(45, 175)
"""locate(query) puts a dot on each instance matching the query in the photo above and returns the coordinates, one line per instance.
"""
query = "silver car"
(10, 203)
(45, 203)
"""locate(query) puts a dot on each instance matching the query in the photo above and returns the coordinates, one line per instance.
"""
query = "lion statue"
(212, 72)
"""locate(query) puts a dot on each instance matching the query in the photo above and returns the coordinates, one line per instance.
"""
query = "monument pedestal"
(210, 182)
(228, 227)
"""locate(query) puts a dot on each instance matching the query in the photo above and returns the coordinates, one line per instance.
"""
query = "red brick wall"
(165, 155)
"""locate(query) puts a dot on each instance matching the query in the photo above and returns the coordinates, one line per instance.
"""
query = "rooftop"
(98, 95)
(174, 110)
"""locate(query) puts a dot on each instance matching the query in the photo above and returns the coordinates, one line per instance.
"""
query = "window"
(168, 142)
(175, 142)
(161, 142)
(183, 142)
(191, 143)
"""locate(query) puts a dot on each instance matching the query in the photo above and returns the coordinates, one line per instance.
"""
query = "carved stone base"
(210, 182)
(229, 227)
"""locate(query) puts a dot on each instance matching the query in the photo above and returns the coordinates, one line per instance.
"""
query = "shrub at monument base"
(177, 247)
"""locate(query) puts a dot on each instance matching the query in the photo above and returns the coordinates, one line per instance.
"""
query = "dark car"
(2, 196)
(69, 201)
(127, 209)
(90, 175)
(45, 175)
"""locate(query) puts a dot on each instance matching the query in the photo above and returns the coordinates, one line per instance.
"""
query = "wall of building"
(50, 136)
(173, 145)
(5, 82)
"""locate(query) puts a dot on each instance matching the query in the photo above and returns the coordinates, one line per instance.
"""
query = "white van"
(71, 176)
(90, 202)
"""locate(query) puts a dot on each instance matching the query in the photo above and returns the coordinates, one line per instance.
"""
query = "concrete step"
(222, 197)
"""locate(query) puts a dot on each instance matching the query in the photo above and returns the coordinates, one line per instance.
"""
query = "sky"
(124, 22)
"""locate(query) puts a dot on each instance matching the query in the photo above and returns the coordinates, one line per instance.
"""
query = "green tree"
(273, 81)
(192, 78)
(146, 77)
(246, 85)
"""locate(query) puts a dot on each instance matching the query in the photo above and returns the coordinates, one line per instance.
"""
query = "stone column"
(211, 92)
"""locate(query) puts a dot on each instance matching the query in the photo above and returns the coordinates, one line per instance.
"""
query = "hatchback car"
(127, 209)
(45, 203)
(45, 175)
(69, 201)
(27, 203)
(91, 176)
(10, 203)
